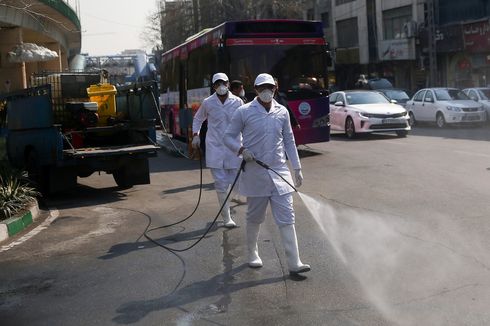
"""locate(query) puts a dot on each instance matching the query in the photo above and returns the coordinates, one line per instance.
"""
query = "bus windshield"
(299, 68)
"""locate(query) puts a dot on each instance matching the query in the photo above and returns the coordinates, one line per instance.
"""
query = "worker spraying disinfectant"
(218, 110)
(267, 138)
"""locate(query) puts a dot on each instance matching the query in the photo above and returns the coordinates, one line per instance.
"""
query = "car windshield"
(365, 98)
(450, 94)
(484, 93)
(397, 95)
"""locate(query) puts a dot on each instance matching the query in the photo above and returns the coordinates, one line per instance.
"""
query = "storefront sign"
(449, 39)
(402, 49)
(477, 37)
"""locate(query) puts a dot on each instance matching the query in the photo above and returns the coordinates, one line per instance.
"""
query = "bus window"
(296, 67)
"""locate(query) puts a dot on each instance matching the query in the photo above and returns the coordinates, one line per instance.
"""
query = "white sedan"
(443, 106)
(358, 111)
(481, 95)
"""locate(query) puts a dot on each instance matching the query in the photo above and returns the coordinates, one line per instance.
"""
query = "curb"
(14, 225)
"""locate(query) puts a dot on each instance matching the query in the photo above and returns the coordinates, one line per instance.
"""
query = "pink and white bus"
(294, 51)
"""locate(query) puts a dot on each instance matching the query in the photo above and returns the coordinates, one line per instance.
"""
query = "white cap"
(264, 79)
(220, 76)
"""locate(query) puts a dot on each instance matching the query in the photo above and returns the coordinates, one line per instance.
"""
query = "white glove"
(247, 155)
(298, 177)
(196, 142)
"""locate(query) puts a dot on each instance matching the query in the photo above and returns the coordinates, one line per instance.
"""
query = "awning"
(30, 52)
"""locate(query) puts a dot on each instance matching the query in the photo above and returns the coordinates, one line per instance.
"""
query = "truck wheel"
(35, 172)
(123, 180)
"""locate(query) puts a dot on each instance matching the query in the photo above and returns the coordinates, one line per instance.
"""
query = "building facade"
(404, 40)
(52, 26)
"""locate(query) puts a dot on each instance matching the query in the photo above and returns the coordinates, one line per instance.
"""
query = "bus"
(293, 51)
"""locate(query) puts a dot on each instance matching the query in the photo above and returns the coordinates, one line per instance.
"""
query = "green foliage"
(15, 192)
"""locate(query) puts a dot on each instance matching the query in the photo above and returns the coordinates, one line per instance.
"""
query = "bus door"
(185, 114)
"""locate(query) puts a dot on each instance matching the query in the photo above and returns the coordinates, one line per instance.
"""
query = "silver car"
(481, 95)
(444, 106)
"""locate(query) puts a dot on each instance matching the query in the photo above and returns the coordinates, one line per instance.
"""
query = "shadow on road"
(82, 196)
(176, 237)
(135, 311)
(207, 186)
(481, 133)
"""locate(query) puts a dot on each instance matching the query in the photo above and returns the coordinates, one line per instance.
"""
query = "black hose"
(262, 164)
(147, 230)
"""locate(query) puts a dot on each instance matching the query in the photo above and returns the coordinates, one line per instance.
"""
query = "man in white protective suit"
(218, 110)
(267, 137)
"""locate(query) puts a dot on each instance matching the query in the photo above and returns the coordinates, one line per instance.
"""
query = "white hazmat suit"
(268, 136)
(220, 159)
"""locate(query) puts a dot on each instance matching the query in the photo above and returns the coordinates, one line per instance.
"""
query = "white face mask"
(222, 90)
(242, 93)
(266, 95)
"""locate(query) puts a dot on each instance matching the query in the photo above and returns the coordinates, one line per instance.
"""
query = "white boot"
(254, 260)
(225, 212)
(290, 242)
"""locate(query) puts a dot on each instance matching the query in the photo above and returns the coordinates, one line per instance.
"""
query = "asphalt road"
(396, 229)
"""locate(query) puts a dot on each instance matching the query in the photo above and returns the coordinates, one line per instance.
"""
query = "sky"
(111, 26)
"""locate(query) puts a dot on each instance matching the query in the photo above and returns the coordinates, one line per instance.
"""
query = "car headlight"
(453, 108)
(364, 115)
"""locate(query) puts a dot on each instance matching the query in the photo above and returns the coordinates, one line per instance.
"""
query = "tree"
(182, 18)
(152, 32)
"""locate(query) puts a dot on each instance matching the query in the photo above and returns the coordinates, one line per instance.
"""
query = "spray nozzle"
(262, 164)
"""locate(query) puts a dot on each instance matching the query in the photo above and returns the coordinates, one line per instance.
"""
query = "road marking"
(53, 215)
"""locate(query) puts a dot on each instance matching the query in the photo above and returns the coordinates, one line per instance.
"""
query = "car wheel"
(402, 133)
(350, 129)
(411, 119)
(440, 121)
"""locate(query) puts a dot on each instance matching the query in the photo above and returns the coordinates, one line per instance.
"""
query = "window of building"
(347, 33)
(341, 2)
(394, 21)
(310, 14)
(325, 19)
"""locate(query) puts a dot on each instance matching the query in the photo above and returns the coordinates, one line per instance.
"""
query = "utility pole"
(431, 29)
(195, 11)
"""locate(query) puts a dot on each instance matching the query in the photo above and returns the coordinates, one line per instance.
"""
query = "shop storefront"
(477, 49)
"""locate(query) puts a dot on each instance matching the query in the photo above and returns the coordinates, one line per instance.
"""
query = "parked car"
(373, 83)
(481, 95)
(399, 95)
(444, 106)
(360, 111)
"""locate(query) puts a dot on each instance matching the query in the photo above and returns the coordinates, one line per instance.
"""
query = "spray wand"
(262, 164)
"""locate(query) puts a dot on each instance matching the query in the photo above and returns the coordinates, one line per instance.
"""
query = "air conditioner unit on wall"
(410, 28)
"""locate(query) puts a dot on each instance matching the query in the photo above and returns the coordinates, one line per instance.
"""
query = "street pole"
(431, 26)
